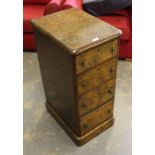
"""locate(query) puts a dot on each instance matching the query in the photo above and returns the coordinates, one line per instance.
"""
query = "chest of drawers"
(78, 59)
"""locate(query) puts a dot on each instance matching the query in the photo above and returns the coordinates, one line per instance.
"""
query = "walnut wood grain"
(96, 55)
(75, 29)
(96, 117)
(96, 76)
(58, 78)
(96, 97)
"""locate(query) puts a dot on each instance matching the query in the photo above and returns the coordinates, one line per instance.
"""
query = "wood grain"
(96, 117)
(59, 85)
(75, 29)
(96, 97)
(96, 76)
(96, 55)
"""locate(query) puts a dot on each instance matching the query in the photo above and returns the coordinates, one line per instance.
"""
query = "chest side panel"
(58, 78)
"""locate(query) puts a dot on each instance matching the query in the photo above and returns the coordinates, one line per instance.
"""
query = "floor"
(42, 134)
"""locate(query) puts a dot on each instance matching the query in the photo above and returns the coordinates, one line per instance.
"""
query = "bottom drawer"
(96, 117)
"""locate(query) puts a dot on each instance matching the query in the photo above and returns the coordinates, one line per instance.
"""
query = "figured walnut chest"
(78, 59)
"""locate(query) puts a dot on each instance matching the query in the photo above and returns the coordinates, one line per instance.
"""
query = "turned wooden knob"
(112, 50)
(109, 111)
(110, 91)
(98, 49)
(86, 126)
(83, 84)
(82, 63)
(110, 70)
(83, 105)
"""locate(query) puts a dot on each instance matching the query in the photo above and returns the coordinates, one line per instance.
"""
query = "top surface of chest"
(75, 29)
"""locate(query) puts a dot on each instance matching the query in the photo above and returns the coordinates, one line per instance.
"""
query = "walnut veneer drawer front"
(96, 76)
(96, 55)
(96, 97)
(96, 117)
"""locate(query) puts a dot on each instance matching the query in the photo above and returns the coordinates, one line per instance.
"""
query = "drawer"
(96, 76)
(96, 55)
(95, 118)
(96, 97)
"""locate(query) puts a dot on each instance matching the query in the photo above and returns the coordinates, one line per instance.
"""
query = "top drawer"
(96, 55)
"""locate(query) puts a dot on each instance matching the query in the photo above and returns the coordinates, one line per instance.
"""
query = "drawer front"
(96, 55)
(96, 97)
(96, 76)
(95, 118)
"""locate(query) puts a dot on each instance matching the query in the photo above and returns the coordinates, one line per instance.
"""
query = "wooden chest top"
(75, 29)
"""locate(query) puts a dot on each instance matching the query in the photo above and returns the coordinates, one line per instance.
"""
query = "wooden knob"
(110, 91)
(98, 49)
(82, 63)
(112, 50)
(83, 105)
(110, 70)
(83, 84)
(86, 126)
(109, 111)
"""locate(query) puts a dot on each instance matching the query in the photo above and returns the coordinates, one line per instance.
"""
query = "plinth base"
(82, 139)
